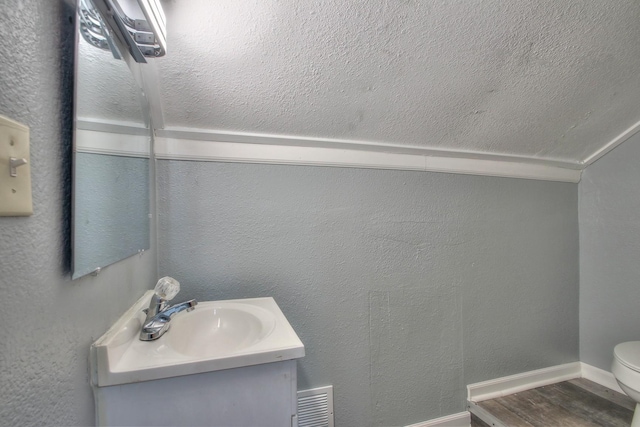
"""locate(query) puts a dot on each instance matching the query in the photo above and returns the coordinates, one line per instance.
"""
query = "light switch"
(15, 169)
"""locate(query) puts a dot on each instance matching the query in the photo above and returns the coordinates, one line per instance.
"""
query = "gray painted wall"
(111, 210)
(610, 253)
(404, 286)
(49, 321)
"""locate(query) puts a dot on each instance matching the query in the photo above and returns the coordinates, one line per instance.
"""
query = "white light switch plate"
(15, 191)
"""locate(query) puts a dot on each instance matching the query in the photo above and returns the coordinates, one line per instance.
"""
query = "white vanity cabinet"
(261, 395)
(226, 363)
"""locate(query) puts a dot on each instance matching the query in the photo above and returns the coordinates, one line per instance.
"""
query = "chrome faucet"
(159, 313)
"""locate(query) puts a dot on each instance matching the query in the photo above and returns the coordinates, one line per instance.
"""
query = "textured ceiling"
(553, 80)
(106, 90)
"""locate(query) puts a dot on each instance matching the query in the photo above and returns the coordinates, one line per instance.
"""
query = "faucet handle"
(167, 288)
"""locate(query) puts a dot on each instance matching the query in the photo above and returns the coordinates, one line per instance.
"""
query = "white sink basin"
(218, 328)
(216, 335)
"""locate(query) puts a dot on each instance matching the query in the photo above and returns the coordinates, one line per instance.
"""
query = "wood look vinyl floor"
(571, 403)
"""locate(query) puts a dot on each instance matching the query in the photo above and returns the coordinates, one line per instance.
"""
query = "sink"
(218, 328)
(217, 335)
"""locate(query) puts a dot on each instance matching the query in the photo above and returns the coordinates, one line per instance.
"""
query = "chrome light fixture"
(155, 17)
(93, 28)
(139, 25)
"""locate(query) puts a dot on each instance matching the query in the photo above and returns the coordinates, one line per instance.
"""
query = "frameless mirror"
(112, 143)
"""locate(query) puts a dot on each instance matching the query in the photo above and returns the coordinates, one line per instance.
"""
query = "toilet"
(626, 369)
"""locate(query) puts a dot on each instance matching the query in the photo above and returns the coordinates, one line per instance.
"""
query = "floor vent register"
(315, 407)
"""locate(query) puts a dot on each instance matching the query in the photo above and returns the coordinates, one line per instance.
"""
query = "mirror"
(111, 153)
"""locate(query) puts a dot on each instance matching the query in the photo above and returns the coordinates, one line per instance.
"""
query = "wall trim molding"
(600, 376)
(349, 144)
(112, 126)
(455, 420)
(112, 138)
(176, 144)
(525, 381)
(112, 144)
(635, 128)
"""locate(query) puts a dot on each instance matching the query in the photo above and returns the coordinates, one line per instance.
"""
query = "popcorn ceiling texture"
(49, 321)
(107, 87)
(546, 79)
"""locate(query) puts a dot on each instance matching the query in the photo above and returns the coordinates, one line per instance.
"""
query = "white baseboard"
(529, 380)
(525, 381)
(461, 419)
(600, 376)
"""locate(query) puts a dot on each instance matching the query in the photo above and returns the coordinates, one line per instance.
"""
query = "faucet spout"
(177, 308)
(159, 317)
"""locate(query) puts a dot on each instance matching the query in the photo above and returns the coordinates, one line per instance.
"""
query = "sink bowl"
(219, 328)
(216, 335)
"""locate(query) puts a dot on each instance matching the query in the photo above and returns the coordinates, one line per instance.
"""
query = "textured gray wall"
(112, 210)
(49, 321)
(610, 253)
(404, 286)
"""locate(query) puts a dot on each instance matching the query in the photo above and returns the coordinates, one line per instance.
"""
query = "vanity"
(214, 363)
(226, 363)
